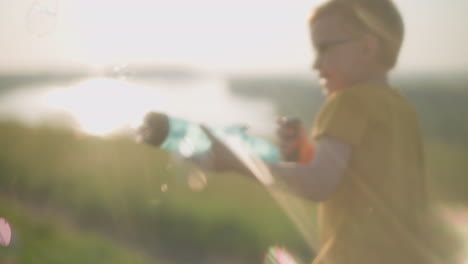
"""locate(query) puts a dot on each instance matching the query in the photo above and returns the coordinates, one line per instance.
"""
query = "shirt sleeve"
(343, 117)
(319, 179)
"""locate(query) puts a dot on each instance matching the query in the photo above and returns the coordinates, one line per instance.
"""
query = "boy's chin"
(327, 87)
(324, 87)
(326, 90)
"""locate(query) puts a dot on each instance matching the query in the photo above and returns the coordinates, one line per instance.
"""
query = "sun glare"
(101, 106)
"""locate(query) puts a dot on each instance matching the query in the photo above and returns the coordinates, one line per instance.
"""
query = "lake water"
(102, 106)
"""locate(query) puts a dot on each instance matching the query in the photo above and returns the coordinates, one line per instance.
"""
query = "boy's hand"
(289, 134)
(223, 159)
(293, 142)
(154, 130)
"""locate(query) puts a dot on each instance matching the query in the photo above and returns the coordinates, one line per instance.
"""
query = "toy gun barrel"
(187, 138)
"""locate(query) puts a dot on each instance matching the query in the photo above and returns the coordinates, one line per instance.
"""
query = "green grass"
(113, 186)
(36, 240)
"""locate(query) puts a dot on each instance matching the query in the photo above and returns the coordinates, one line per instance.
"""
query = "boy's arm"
(317, 180)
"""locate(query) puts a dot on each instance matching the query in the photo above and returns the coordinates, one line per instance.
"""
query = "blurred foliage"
(113, 186)
(51, 241)
(447, 171)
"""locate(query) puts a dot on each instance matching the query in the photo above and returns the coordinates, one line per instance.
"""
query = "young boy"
(367, 172)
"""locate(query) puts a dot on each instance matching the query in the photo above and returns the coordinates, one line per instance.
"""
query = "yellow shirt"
(372, 216)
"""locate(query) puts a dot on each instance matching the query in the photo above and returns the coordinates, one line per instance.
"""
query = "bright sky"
(218, 35)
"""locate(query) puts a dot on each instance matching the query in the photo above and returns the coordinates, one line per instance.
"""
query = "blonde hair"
(378, 17)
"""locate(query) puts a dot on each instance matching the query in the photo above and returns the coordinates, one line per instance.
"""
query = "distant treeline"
(10, 81)
(441, 100)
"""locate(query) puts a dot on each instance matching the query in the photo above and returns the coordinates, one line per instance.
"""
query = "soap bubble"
(278, 255)
(5, 232)
(196, 180)
(41, 17)
(121, 71)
